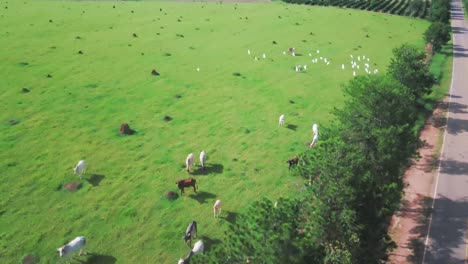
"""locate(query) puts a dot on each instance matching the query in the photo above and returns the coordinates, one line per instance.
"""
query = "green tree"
(438, 34)
(408, 67)
(376, 124)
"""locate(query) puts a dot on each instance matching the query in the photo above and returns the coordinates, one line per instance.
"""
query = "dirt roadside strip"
(408, 227)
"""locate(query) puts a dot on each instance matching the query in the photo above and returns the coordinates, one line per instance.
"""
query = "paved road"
(448, 228)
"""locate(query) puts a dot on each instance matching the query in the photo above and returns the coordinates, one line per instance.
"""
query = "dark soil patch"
(30, 259)
(126, 130)
(13, 122)
(49, 75)
(167, 118)
(25, 90)
(73, 186)
(171, 195)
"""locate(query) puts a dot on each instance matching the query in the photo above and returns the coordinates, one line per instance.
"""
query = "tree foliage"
(438, 34)
(408, 67)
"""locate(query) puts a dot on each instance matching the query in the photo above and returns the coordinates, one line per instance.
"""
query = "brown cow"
(186, 183)
(293, 162)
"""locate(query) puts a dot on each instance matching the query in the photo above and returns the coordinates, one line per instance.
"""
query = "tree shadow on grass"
(202, 197)
(209, 169)
(292, 127)
(95, 179)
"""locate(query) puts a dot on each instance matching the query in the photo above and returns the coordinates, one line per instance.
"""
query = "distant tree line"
(438, 33)
(413, 8)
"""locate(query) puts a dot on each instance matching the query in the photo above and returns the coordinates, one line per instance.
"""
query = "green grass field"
(76, 114)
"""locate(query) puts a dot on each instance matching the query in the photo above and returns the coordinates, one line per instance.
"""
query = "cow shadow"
(202, 197)
(292, 127)
(94, 258)
(229, 216)
(209, 243)
(209, 169)
(95, 179)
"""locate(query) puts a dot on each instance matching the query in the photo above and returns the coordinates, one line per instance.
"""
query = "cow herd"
(191, 232)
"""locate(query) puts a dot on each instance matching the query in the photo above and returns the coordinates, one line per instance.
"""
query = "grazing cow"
(281, 120)
(185, 183)
(197, 249)
(203, 159)
(80, 168)
(190, 232)
(293, 162)
(217, 208)
(189, 162)
(76, 244)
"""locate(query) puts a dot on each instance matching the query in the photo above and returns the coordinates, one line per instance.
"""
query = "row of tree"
(353, 181)
(438, 33)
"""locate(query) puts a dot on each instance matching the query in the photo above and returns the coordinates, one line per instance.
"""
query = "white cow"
(198, 247)
(203, 159)
(314, 141)
(281, 120)
(189, 162)
(80, 168)
(76, 244)
(217, 208)
(315, 129)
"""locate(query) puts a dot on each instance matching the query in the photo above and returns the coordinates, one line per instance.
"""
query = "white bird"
(318, 51)
(367, 71)
(368, 59)
(284, 52)
(305, 67)
(314, 129)
(359, 58)
(342, 66)
(80, 168)
(367, 65)
(198, 69)
(354, 73)
(321, 58)
(328, 63)
(264, 55)
(357, 66)
(248, 51)
(376, 71)
(281, 120)
(310, 54)
(351, 56)
(256, 58)
(325, 59)
(364, 57)
(352, 66)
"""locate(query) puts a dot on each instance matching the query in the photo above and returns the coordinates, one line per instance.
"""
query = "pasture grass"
(229, 108)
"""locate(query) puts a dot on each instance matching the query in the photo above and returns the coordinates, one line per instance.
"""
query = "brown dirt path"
(408, 227)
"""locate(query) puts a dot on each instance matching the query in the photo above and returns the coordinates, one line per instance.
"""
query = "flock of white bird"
(357, 63)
